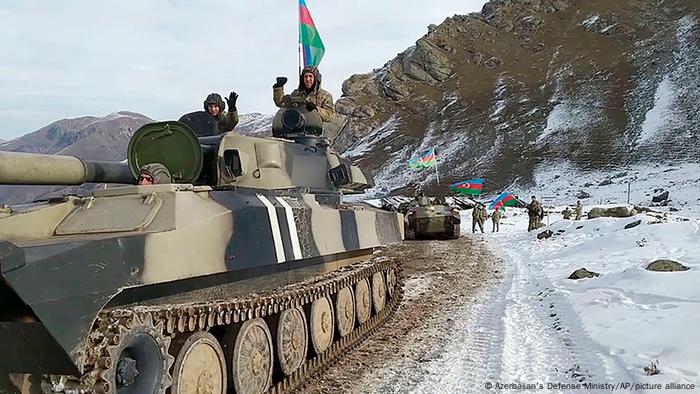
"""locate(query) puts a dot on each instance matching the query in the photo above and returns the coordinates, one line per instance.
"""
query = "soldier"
(153, 174)
(479, 216)
(578, 210)
(496, 218)
(534, 211)
(214, 105)
(309, 90)
(566, 213)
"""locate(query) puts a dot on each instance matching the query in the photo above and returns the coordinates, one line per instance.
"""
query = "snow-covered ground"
(601, 330)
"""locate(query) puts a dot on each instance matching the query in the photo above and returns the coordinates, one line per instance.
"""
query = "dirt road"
(444, 281)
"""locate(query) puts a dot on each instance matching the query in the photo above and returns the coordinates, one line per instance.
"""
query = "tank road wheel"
(139, 361)
(345, 311)
(363, 301)
(292, 340)
(390, 282)
(378, 291)
(200, 366)
(321, 324)
(251, 358)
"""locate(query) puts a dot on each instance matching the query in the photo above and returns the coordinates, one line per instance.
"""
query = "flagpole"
(437, 176)
(299, 36)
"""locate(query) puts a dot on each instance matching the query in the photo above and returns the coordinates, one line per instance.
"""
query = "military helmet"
(317, 77)
(158, 172)
(215, 98)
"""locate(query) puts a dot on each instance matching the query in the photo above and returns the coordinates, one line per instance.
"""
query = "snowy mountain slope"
(597, 84)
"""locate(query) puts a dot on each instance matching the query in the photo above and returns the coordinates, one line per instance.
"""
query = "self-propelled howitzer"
(248, 271)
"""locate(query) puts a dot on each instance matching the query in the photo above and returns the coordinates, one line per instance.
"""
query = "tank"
(248, 273)
(430, 220)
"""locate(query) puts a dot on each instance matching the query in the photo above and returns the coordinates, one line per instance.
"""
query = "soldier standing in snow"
(534, 211)
(479, 216)
(496, 218)
(579, 210)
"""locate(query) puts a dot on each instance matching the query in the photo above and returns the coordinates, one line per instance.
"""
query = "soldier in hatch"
(225, 120)
(309, 91)
(153, 174)
(566, 213)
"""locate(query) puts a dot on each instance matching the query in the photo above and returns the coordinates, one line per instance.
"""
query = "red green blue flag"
(504, 200)
(472, 186)
(428, 159)
(311, 44)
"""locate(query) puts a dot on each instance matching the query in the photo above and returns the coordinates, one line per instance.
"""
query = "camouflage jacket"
(534, 209)
(579, 209)
(479, 214)
(320, 97)
(226, 121)
(496, 215)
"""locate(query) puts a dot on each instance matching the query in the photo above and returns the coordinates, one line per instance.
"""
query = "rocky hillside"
(596, 84)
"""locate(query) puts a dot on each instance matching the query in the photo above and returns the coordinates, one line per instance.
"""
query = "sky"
(162, 57)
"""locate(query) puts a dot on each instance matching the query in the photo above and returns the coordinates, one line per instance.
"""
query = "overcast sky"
(161, 58)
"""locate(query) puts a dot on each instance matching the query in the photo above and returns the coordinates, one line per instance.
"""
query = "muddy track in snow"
(445, 281)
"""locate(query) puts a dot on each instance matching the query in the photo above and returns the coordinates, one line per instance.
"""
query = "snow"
(662, 112)
(590, 21)
(381, 136)
(604, 329)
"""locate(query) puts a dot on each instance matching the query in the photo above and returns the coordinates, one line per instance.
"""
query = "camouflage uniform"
(158, 172)
(225, 121)
(479, 216)
(534, 211)
(496, 218)
(578, 210)
(319, 97)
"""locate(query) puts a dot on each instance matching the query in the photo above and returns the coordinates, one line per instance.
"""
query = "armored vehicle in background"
(430, 220)
(248, 273)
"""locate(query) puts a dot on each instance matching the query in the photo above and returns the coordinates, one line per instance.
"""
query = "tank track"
(178, 319)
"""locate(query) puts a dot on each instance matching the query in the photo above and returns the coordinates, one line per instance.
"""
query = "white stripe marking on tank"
(275, 226)
(293, 234)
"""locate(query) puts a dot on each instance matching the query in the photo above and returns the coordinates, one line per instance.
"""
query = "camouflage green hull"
(174, 244)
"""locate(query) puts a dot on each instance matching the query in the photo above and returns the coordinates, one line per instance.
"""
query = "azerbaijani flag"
(472, 186)
(311, 44)
(504, 200)
(428, 159)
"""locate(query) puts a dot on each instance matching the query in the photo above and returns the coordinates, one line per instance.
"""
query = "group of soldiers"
(534, 210)
(480, 215)
(308, 92)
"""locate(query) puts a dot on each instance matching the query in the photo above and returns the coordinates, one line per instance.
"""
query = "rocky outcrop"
(583, 273)
(664, 265)
(502, 91)
(614, 212)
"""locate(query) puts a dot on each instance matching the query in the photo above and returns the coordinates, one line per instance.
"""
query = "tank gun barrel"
(17, 168)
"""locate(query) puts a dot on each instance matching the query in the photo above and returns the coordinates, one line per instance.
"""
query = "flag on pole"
(504, 200)
(309, 39)
(428, 159)
(472, 186)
